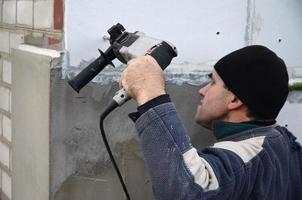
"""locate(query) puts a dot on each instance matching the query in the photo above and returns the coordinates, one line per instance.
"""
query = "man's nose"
(203, 90)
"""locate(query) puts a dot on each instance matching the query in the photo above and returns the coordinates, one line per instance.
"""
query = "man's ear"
(235, 103)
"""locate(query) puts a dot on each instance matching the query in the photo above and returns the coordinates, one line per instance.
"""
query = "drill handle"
(85, 76)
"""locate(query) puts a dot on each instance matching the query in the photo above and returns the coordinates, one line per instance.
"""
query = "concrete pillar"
(31, 122)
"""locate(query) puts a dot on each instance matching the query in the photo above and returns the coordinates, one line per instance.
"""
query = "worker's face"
(214, 102)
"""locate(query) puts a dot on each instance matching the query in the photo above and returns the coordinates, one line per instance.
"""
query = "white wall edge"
(41, 51)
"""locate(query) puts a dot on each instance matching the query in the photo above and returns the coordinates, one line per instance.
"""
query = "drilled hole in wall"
(279, 40)
(217, 33)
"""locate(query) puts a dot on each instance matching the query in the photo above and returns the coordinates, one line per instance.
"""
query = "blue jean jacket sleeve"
(163, 141)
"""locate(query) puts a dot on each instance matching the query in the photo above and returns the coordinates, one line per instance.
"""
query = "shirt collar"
(223, 129)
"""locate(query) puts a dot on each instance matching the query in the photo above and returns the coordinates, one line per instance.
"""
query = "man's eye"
(208, 78)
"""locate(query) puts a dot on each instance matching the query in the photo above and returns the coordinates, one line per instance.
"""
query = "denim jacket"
(259, 163)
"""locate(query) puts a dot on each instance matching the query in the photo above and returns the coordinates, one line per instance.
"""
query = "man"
(254, 158)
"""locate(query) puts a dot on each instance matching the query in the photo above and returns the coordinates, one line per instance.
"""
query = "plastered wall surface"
(276, 24)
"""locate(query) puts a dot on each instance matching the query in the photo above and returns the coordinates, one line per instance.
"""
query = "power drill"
(125, 46)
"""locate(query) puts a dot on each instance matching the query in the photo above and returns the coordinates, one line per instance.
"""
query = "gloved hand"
(143, 79)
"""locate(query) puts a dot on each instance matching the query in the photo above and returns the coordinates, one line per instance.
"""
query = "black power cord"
(110, 108)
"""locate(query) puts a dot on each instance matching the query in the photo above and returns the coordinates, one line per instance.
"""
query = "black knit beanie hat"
(258, 77)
